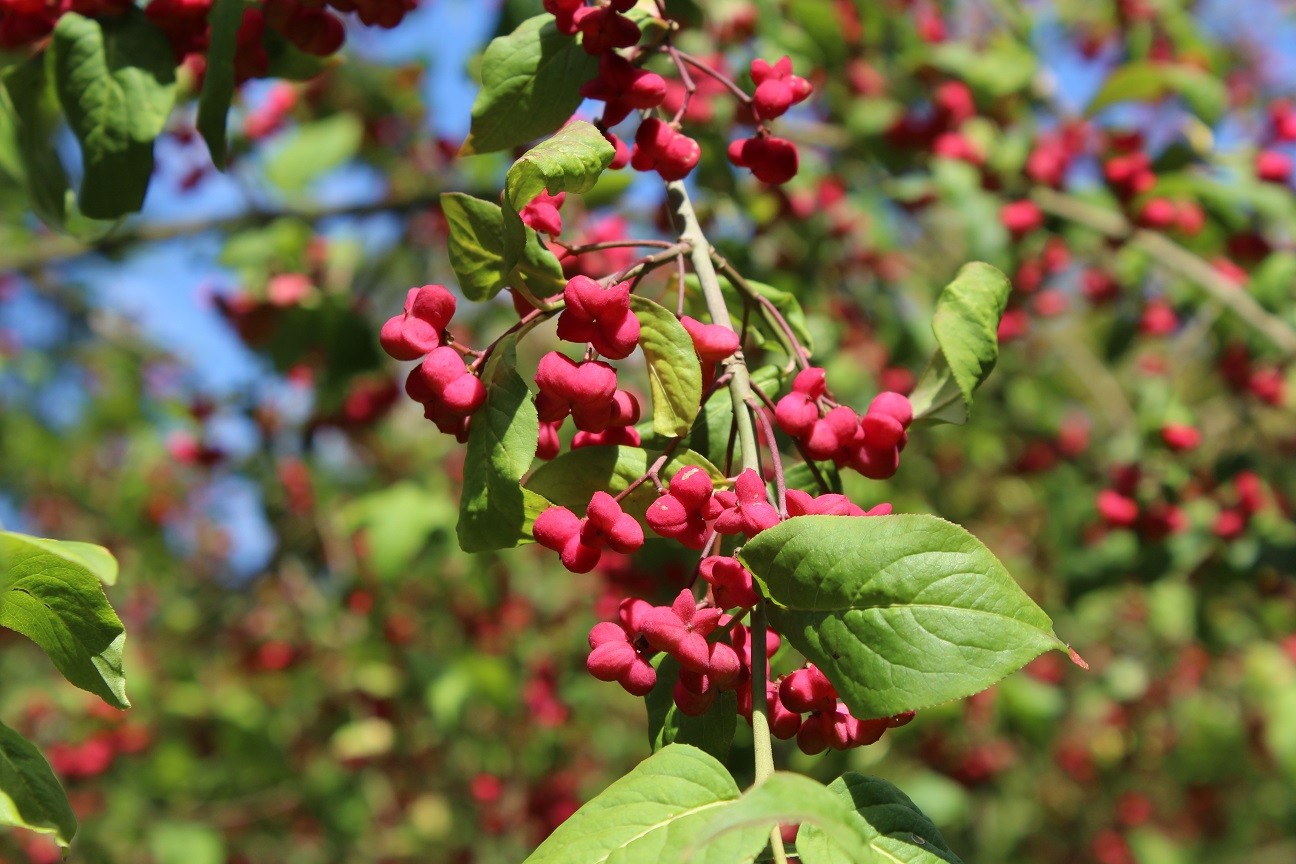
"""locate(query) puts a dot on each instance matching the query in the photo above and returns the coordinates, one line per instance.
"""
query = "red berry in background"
(599, 315)
(1021, 217)
(771, 160)
(1179, 437)
(1116, 509)
(661, 148)
(713, 342)
(777, 89)
(1230, 524)
(1159, 214)
(417, 331)
(1272, 166)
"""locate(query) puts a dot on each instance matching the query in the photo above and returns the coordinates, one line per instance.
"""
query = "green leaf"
(674, 373)
(398, 522)
(572, 478)
(218, 79)
(115, 78)
(312, 149)
(187, 843)
(711, 731)
(937, 398)
(495, 510)
(900, 612)
(896, 830)
(1000, 69)
(785, 798)
(966, 323)
(1204, 93)
(531, 82)
(33, 115)
(51, 593)
(476, 250)
(653, 814)
(31, 796)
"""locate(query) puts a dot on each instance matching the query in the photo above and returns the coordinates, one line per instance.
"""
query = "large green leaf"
(569, 161)
(573, 477)
(674, 373)
(896, 829)
(30, 795)
(711, 731)
(312, 149)
(966, 323)
(654, 814)
(32, 113)
(218, 79)
(115, 78)
(398, 523)
(1204, 93)
(531, 82)
(53, 595)
(900, 612)
(782, 799)
(476, 250)
(495, 511)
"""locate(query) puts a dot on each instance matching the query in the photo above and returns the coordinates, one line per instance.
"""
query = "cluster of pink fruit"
(624, 87)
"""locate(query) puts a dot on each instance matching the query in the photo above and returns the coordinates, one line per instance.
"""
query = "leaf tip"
(1076, 658)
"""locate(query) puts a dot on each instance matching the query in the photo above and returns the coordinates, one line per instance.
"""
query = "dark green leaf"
(572, 478)
(896, 829)
(674, 373)
(711, 731)
(531, 82)
(54, 597)
(33, 118)
(966, 323)
(900, 612)
(495, 511)
(476, 251)
(653, 814)
(30, 795)
(218, 79)
(115, 78)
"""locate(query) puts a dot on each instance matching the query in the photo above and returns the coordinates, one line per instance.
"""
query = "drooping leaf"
(674, 373)
(966, 324)
(712, 731)
(311, 149)
(54, 597)
(531, 82)
(218, 79)
(781, 799)
(573, 477)
(493, 512)
(1204, 93)
(900, 612)
(31, 796)
(33, 115)
(115, 79)
(571, 160)
(654, 813)
(476, 250)
(896, 829)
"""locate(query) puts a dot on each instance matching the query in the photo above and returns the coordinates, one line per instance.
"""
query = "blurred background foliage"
(319, 675)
